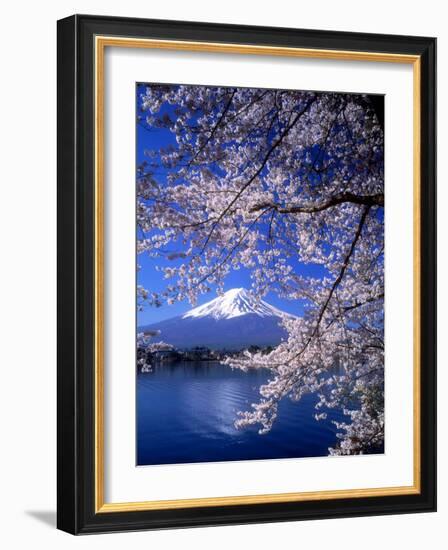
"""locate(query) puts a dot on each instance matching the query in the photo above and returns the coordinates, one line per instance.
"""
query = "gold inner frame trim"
(101, 42)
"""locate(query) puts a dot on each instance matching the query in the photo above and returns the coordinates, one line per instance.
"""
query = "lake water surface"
(186, 413)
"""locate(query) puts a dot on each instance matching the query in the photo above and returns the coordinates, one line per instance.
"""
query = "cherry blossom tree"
(272, 180)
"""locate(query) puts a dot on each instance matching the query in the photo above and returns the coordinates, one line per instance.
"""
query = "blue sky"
(151, 279)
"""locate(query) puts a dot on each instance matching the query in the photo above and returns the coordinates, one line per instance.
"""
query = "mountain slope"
(234, 303)
(233, 321)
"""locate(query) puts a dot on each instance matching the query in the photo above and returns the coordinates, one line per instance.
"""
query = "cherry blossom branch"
(259, 170)
(213, 131)
(366, 200)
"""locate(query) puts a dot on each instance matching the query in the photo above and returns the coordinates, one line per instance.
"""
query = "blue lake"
(186, 413)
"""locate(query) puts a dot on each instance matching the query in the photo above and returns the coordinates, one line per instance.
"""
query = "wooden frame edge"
(255, 499)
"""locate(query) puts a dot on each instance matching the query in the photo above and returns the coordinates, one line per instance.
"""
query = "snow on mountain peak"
(235, 303)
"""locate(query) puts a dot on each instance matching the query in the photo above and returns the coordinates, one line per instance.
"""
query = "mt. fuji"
(233, 321)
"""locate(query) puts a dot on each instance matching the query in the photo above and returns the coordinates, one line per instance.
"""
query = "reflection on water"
(186, 413)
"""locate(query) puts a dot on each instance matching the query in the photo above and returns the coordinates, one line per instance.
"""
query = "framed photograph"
(247, 297)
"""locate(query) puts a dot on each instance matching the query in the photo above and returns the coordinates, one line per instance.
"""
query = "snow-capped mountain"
(233, 321)
(234, 303)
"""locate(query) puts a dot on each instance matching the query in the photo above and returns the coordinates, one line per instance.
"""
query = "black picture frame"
(76, 285)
